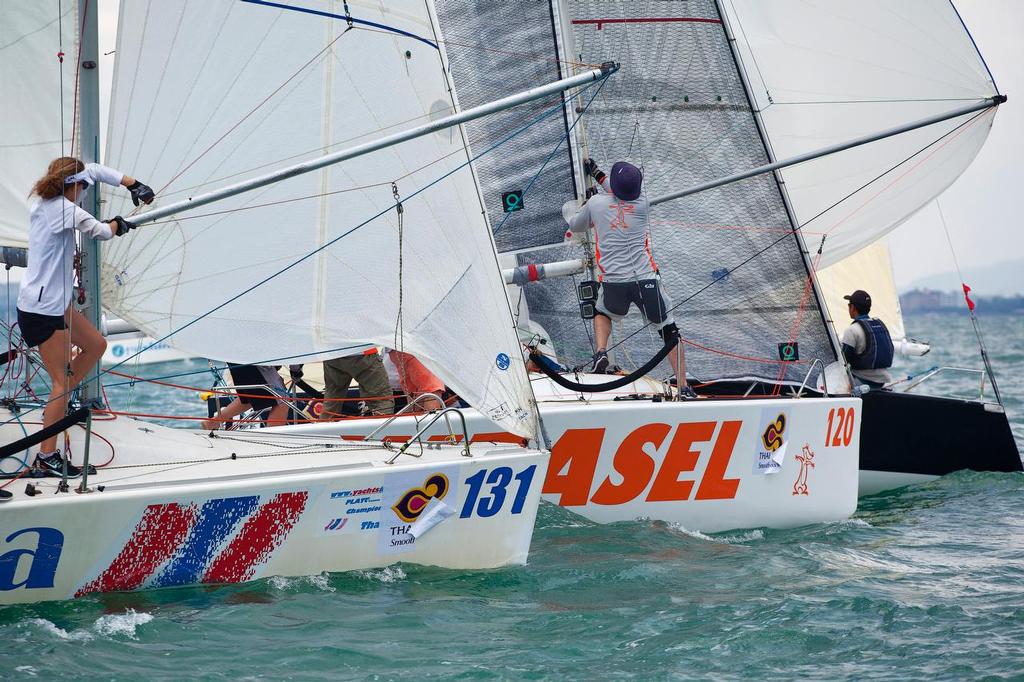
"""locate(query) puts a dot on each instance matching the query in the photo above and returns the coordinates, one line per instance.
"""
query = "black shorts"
(36, 328)
(614, 299)
(250, 375)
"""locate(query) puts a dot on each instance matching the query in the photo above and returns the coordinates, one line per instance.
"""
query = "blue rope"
(544, 115)
(554, 151)
(351, 19)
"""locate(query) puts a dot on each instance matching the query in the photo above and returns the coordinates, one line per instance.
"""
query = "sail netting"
(728, 258)
(490, 45)
(824, 72)
(39, 107)
(208, 94)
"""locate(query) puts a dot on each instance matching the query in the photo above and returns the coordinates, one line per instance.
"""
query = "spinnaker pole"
(832, 149)
(367, 147)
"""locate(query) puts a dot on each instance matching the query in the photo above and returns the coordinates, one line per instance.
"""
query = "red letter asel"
(578, 449)
(679, 458)
(714, 485)
(634, 465)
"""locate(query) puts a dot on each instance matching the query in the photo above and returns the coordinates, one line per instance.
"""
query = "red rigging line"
(647, 20)
(78, 69)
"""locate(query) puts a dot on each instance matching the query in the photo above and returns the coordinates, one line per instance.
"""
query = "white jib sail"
(31, 34)
(210, 93)
(869, 269)
(824, 72)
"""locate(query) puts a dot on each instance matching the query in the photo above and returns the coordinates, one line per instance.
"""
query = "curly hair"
(51, 185)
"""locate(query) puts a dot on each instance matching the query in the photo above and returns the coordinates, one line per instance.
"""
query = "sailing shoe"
(53, 465)
(600, 365)
(687, 393)
(5, 495)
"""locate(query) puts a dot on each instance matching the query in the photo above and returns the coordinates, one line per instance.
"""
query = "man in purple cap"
(867, 345)
(618, 214)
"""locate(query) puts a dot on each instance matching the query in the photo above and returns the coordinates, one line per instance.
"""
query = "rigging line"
(252, 111)
(807, 222)
(346, 17)
(970, 308)
(554, 151)
(78, 67)
(952, 134)
(536, 120)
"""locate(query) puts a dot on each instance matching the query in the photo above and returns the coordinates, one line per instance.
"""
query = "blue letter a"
(43, 569)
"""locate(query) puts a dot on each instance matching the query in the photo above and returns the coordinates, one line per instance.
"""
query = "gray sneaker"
(600, 365)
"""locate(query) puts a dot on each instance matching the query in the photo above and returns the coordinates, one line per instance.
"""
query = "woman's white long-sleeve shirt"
(47, 286)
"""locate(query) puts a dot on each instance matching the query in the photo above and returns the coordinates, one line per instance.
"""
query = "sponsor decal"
(336, 524)
(37, 552)
(360, 505)
(573, 471)
(221, 541)
(117, 351)
(405, 498)
(771, 442)
(503, 361)
(806, 459)
(414, 501)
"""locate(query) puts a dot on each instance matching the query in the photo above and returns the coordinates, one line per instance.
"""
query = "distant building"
(932, 301)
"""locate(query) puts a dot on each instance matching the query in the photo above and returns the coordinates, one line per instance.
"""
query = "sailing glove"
(123, 226)
(591, 169)
(141, 193)
(295, 372)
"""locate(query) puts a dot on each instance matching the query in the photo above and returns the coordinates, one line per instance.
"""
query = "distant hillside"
(1001, 279)
(931, 301)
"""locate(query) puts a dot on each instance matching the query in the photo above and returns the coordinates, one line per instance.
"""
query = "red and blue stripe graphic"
(223, 541)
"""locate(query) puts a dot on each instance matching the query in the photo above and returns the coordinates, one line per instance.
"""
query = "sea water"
(926, 582)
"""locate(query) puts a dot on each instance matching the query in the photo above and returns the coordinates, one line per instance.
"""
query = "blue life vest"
(878, 350)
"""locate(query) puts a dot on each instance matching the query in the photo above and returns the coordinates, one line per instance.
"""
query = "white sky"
(983, 207)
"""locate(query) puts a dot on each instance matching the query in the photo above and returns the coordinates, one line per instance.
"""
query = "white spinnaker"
(869, 269)
(824, 72)
(30, 118)
(194, 105)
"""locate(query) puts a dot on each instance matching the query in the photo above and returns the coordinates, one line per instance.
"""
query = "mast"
(89, 125)
(818, 297)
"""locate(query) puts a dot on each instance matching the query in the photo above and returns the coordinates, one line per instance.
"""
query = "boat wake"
(107, 626)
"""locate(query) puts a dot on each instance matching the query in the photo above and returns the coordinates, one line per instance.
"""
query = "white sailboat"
(861, 113)
(171, 507)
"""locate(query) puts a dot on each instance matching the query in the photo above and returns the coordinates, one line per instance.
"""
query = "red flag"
(967, 297)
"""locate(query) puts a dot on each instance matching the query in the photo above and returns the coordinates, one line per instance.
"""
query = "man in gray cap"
(867, 345)
(619, 214)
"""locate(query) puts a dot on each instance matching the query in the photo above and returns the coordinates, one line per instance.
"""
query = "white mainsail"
(212, 93)
(824, 72)
(31, 34)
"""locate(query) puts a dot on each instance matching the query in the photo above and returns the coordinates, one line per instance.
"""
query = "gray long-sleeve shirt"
(622, 236)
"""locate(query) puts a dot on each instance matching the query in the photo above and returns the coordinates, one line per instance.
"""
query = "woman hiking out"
(45, 314)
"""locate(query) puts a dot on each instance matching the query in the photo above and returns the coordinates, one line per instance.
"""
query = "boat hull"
(908, 438)
(317, 513)
(700, 464)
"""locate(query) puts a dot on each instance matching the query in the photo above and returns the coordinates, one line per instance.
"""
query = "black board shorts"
(36, 328)
(614, 299)
(250, 375)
